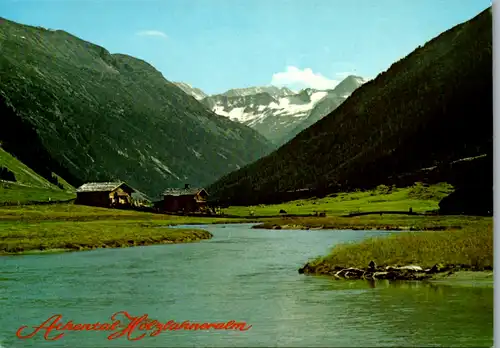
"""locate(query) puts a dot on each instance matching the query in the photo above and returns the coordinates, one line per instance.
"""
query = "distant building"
(186, 200)
(105, 194)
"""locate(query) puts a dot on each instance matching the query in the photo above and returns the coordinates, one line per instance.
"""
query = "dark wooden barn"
(186, 200)
(105, 194)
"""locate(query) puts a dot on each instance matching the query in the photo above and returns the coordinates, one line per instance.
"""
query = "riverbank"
(69, 227)
(79, 236)
(385, 222)
(438, 273)
(427, 255)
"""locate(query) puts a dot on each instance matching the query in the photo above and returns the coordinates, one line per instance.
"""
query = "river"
(241, 274)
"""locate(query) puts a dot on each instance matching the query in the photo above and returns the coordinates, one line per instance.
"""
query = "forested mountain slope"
(435, 105)
(70, 107)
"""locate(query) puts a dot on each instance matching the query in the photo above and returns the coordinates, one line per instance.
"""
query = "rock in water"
(411, 268)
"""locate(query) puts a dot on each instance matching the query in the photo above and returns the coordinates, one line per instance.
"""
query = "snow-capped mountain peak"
(273, 91)
(276, 112)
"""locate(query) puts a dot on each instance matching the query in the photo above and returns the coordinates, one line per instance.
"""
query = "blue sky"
(216, 45)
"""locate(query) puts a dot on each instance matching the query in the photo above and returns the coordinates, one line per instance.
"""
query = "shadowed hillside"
(72, 108)
(435, 105)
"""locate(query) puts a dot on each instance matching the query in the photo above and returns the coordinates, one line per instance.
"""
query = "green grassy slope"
(418, 197)
(71, 107)
(30, 186)
(25, 175)
(20, 194)
(434, 105)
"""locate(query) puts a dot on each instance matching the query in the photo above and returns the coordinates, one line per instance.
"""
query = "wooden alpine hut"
(105, 194)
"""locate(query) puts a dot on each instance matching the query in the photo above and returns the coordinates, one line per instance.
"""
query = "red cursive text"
(131, 327)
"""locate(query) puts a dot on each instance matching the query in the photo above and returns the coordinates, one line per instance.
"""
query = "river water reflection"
(241, 274)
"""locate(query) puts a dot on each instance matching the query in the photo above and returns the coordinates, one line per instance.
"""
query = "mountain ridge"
(279, 113)
(197, 93)
(274, 91)
(71, 107)
(411, 116)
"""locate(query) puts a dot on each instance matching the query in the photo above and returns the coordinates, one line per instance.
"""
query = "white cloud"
(297, 79)
(152, 33)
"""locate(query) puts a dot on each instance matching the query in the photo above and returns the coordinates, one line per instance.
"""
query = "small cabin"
(185, 200)
(105, 194)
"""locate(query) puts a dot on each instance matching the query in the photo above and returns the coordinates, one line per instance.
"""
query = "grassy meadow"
(419, 197)
(466, 240)
(15, 193)
(76, 227)
(470, 246)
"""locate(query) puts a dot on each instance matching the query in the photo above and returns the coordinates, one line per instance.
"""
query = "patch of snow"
(297, 109)
(317, 96)
(219, 110)
(236, 114)
(279, 114)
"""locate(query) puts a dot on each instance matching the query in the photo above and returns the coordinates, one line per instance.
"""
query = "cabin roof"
(101, 186)
(183, 191)
(139, 196)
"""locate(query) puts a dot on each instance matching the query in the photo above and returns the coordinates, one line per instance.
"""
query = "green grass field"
(14, 193)
(450, 239)
(368, 222)
(418, 197)
(472, 246)
(76, 227)
(81, 213)
(42, 236)
(29, 186)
